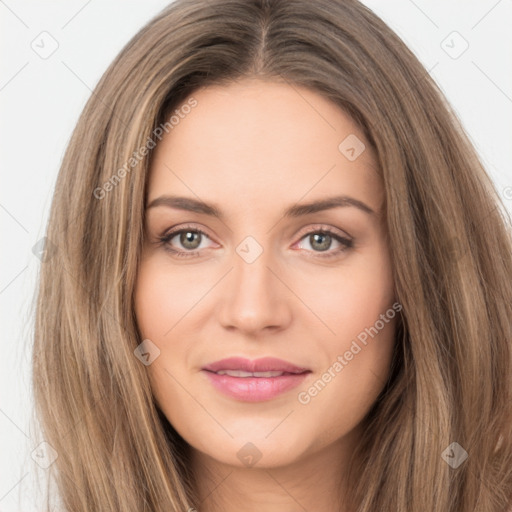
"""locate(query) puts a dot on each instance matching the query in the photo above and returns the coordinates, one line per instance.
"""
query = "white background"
(41, 99)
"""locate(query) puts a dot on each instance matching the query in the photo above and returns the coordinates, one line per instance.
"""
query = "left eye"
(322, 241)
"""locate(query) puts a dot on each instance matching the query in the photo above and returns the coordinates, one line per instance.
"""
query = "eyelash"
(164, 240)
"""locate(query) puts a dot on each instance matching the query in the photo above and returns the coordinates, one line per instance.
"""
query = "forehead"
(254, 141)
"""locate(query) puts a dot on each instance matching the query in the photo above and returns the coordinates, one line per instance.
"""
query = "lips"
(254, 380)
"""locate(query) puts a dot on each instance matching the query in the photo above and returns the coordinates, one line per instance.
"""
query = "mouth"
(254, 381)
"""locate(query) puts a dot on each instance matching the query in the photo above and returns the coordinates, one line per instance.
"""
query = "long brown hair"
(449, 236)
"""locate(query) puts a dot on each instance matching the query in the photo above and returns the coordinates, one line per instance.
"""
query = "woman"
(282, 277)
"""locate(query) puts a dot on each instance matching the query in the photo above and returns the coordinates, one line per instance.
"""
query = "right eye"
(189, 238)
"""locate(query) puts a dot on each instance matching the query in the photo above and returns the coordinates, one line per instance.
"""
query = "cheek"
(352, 299)
(159, 309)
(162, 298)
(357, 307)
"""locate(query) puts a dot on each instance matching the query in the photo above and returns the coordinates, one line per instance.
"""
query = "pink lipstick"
(254, 380)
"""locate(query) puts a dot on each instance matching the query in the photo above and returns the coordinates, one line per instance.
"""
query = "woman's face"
(241, 268)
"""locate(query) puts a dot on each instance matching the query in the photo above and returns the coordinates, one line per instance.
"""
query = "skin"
(255, 148)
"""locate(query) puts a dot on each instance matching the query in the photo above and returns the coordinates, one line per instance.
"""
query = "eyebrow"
(194, 205)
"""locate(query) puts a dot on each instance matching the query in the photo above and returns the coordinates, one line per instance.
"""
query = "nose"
(254, 298)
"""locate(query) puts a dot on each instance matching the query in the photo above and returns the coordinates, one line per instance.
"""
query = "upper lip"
(264, 364)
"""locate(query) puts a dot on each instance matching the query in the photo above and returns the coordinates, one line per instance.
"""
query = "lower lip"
(255, 389)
